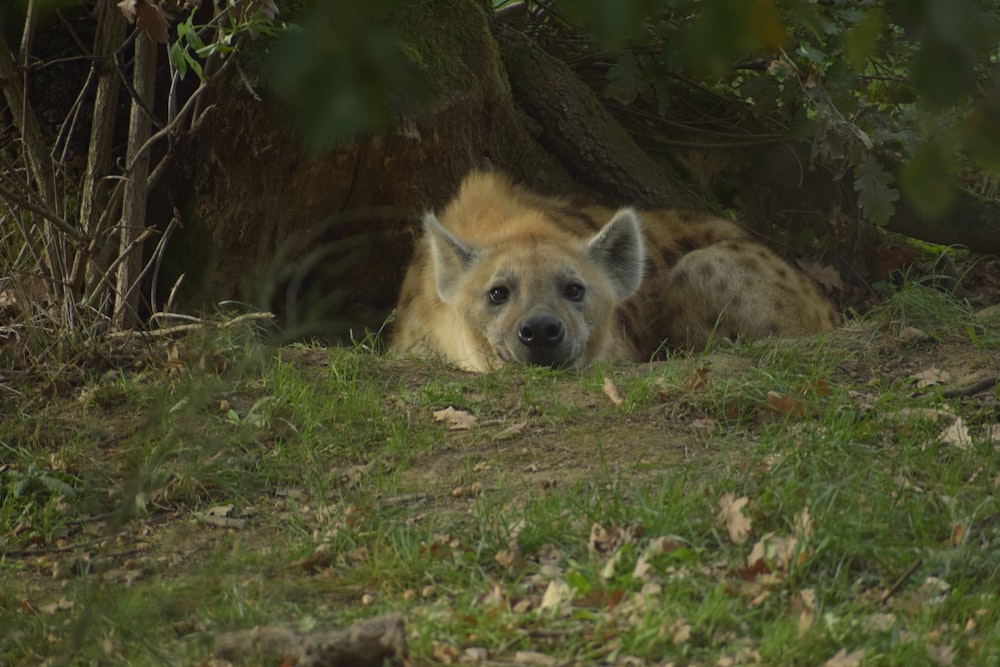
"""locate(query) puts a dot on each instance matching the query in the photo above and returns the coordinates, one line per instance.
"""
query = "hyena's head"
(538, 297)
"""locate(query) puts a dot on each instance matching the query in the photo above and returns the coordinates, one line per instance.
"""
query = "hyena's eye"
(499, 295)
(575, 291)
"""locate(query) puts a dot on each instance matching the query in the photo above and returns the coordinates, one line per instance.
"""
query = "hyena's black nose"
(541, 330)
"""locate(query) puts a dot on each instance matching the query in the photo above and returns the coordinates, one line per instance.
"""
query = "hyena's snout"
(542, 335)
(541, 329)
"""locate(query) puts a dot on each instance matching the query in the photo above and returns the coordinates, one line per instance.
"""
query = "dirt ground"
(520, 444)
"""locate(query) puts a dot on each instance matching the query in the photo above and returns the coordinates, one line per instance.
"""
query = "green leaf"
(875, 191)
(861, 41)
(177, 57)
(57, 487)
(927, 180)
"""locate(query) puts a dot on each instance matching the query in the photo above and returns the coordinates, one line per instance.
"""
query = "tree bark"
(126, 311)
(94, 191)
(577, 129)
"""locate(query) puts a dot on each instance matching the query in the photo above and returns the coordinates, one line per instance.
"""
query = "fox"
(508, 276)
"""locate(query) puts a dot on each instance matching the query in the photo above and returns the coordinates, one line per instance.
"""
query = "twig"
(181, 328)
(57, 550)
(973, 389)
(28, 34)
(172, 125)
(158, 254)
(43, 211)
(106, 276)
(173, 292)
(902, 580)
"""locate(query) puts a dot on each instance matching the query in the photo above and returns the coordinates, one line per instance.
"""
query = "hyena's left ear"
(451, 257)
(620, 250)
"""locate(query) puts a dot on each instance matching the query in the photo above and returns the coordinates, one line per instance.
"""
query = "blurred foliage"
(343, 65)
(900, 95)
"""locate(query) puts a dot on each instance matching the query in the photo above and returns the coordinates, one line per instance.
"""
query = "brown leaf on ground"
(512, 431)
(534, 658)
(827, 276)
(843, 658)
(603, 542)
(785, 405)
(805, 602)
(611, 392)
(957, 434)
(445, 653)
(778, 550)
(557, 595)
(929, 377)
(697, 381)
(457, 420)
(731, 516)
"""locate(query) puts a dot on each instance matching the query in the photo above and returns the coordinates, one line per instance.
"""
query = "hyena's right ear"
(450, 256)
(620, 249)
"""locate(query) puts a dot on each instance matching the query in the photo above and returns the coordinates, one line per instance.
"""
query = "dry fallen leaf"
(611, 392)
(941, 654)
(445, 653)
(957, 434)
(506, 557)
(929, 377)
(844, 659)
(679, 632)
(62, 604)
(457, 420)
(806, 603)
(219, 510)
(930, 414)
(777, 550)
(731, 516)
(603, 542)
(534, 658)
(784, 404)
(512, 430)
(698, 380)
(148, 17)
(827, 276)
(803, 524)
(556, 595)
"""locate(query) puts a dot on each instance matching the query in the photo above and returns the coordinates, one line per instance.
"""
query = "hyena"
(507, 276)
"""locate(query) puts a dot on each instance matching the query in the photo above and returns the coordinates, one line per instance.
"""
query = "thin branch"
(43, 211)
(158, 254)
(172, 125)
(902, 580)
(28, 34)
(173, 292)
(106, 277)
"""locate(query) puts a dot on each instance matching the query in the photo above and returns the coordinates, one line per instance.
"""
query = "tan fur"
(581, 284)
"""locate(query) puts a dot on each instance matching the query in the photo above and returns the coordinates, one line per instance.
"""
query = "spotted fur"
(505, 275)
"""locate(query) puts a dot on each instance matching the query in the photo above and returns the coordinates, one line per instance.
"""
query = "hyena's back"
(714, 282)
(648, 279)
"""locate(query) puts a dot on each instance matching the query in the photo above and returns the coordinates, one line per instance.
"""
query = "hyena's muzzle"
(542, 340)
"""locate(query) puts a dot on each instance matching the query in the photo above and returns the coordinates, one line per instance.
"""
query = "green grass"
(356, 502)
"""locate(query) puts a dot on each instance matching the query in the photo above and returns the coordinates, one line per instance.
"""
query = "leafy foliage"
(902, 95)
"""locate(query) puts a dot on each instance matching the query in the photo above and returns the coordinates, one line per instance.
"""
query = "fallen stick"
(367, 643)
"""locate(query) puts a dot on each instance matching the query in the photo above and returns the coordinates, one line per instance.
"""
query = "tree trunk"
(126, 312)
(94, 191)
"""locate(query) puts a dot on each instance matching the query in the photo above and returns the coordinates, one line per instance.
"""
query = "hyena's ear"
(451, 257)
(620, 250)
